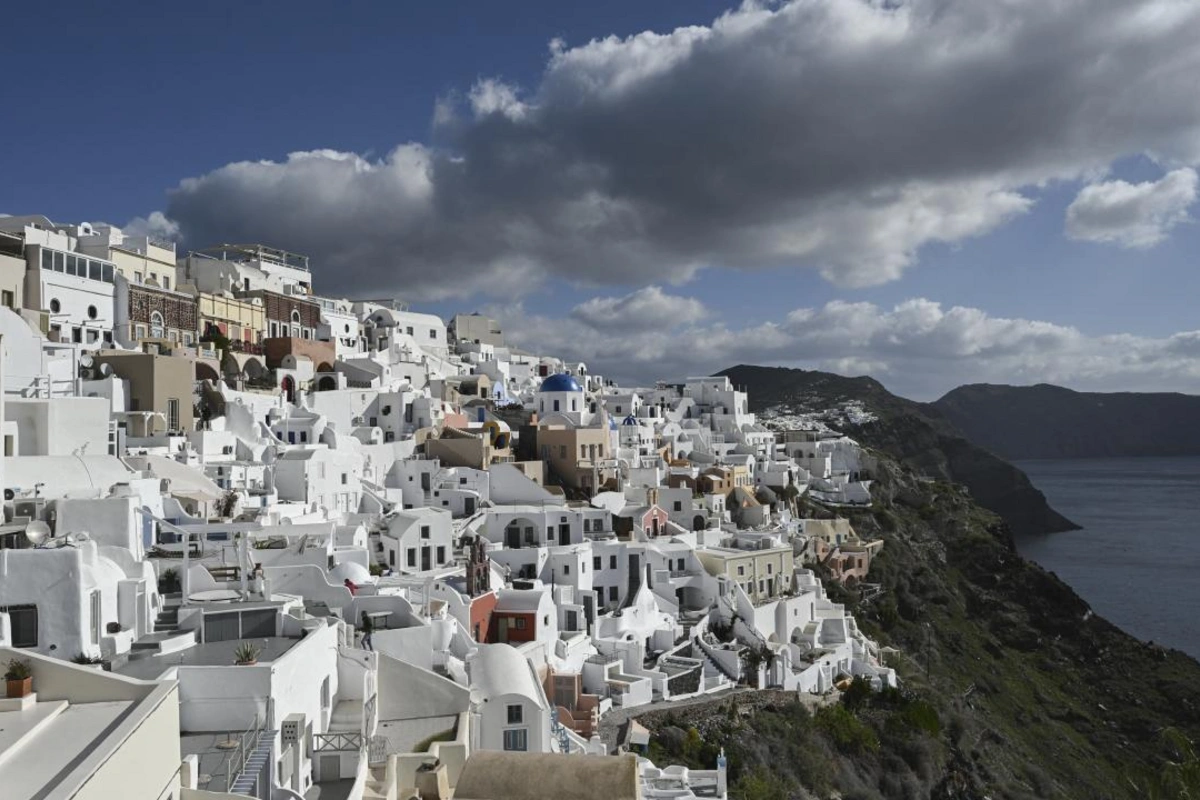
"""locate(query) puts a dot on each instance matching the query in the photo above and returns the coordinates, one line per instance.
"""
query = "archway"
(289, 388)
(326, 383)
(699, 523)
(324, 366)
(206, 372)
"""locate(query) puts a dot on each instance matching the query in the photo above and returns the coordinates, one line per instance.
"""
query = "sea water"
(1137, 559)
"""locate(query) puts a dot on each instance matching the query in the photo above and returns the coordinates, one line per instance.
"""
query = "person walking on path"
(368, 627)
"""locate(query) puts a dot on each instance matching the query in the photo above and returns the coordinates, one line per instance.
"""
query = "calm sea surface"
(1137, 559)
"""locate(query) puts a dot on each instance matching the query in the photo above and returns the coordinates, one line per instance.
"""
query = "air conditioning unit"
(32, 507)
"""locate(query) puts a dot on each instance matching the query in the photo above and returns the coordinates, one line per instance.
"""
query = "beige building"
(160, 390)
(475, 449)
(574, 454)
(763, 574)
(240, 320)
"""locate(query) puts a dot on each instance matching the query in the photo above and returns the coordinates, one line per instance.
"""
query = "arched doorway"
(289, 388)
(699, 523)
(327, 383)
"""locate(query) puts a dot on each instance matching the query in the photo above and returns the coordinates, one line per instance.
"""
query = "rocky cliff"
(1045, 421)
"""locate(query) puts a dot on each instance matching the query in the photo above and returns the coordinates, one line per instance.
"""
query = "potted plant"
(168, 581)
(246, 654)
(19, 678)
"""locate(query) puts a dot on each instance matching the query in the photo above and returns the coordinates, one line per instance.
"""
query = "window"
(92, 336)
(77, 335)
(566, 569)
(55, 306)
(516, 714)
(391, 558)
(92, 312)
(424, 531)
(8, 299)
(441, 554)
(140, 331)
(409, 330)
(156, 325)
(741, 570)
(769, 567)
(137, 277)
(325, 698)
(345, 479)
(94, 271)
(96, 616)
(612, 562)
(516, 739)
(24, 622)
(597, 563)
(60, 262)
(433, 334)
(47, 260)
(166, 282)
(679, 505)
(173, 413)
(72, 269)
(612, 594)
(411, 558)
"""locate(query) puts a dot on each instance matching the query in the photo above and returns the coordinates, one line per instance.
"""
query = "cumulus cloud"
(646, 309)
(156, 225)
(840, 135)
(1132, 214)
(917, 348)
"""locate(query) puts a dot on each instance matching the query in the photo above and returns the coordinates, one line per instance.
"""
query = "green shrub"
(759, 784)
(849, 734)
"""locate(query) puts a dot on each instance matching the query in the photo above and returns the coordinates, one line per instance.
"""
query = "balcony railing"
(337, 742)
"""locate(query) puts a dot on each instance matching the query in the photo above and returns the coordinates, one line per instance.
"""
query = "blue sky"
(119, 104)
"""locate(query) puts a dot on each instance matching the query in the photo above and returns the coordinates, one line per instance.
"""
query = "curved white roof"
(520, 600)
(498, 669)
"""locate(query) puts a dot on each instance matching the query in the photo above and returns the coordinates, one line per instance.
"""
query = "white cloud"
(918, 348)
(155, 225)
(646, 309)
(1132, 214)
(839, 135)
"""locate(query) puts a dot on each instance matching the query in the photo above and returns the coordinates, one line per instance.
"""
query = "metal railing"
(247, 742)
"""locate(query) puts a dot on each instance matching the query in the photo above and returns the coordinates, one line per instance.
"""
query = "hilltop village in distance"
(261, 542)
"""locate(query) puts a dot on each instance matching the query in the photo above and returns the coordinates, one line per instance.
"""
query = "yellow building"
(763, 574)
(145, 261)
(242, 321)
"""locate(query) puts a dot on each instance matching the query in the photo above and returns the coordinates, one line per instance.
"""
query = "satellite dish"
(86, 360)
(37, 532)
(10, 494)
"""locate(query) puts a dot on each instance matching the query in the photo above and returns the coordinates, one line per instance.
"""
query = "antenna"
(37, 532)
